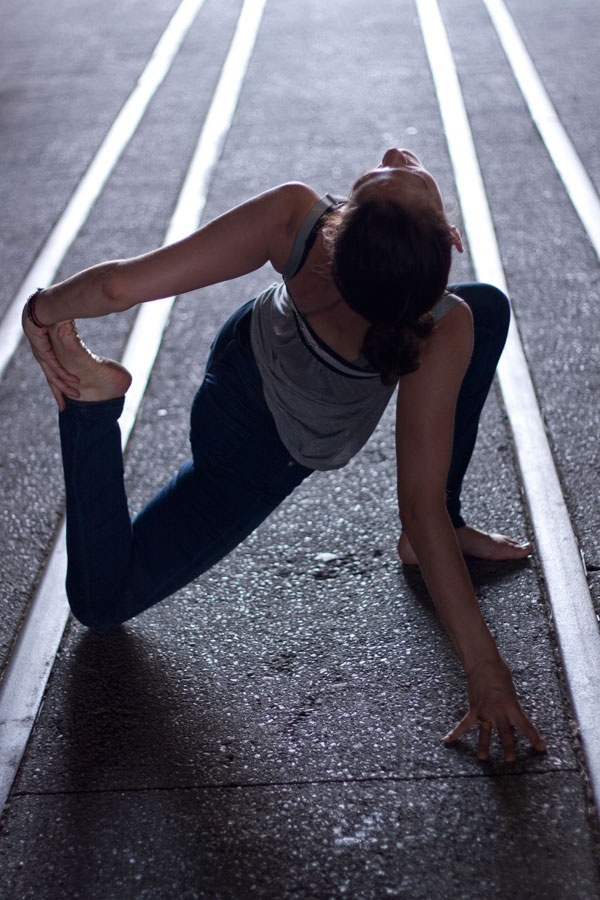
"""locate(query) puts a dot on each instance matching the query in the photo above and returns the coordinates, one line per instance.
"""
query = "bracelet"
(30, 309)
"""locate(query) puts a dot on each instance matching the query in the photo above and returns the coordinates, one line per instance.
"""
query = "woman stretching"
(296, 380)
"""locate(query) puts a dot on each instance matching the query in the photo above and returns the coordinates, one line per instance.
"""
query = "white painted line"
(30, 664)
(48, 261)
(151, 321)
(24, 684)
(568, 164)
(568, 592)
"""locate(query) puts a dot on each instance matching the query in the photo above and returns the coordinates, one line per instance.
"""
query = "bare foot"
(473, 542)
(99, 378)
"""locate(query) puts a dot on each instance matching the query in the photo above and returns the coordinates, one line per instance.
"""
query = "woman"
(296, 381)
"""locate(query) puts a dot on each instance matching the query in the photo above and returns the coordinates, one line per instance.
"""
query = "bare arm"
(261, 230)
(425, 429)
(241, 240)
(424, 433)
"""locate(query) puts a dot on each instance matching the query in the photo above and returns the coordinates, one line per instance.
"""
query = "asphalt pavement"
(274, 730)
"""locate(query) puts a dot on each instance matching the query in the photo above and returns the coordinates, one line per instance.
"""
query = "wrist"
(474, 644)
(478, 658)
(30, 309)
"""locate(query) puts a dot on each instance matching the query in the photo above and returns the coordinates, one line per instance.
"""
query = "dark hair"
(391, 265)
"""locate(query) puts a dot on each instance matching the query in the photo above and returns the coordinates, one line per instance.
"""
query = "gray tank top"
(325, 408)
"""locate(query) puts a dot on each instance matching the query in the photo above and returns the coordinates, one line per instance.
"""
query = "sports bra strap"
(319, 209)
(447, 302)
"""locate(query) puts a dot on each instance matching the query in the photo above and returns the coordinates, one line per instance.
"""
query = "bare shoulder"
(452, 334)
(456, 319)
(293, 200)
(444, 355)
(296, 194)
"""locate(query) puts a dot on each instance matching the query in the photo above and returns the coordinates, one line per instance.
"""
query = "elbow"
(114, 288)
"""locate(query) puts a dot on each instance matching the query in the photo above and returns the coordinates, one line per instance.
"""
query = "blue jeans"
(491, 317)
(239, 473)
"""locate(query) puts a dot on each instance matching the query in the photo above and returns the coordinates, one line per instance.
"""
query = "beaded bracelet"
(30, 309)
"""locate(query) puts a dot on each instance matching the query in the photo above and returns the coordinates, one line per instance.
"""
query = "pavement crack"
(299, 783)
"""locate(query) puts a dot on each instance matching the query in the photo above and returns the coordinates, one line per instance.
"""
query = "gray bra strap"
(444, 305)
(304, 231)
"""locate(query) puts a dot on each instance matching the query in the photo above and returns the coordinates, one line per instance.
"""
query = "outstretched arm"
(243, 239)
(425, 428)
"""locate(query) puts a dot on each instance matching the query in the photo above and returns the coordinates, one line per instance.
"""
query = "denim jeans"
(239, 473)
(491, 317)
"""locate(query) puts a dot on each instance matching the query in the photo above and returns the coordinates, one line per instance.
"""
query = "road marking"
(50, 257)
(152, 318)
(575, 622)
(24, 684)
(562, 152)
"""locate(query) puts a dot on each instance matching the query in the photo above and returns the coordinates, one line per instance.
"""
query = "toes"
(514, 547)
(493, 546)
(65, 335)
(65, 329)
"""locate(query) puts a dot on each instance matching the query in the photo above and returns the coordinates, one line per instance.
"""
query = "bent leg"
(214, 502)
(116, 568)
(491, 316)
(239, 473)
(99, 533)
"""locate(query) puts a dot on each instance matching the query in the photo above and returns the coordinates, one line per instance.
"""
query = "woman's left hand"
(60, 381)
(493, 704)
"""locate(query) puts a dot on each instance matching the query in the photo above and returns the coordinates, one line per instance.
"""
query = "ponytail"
(391, 265)
(393, 350)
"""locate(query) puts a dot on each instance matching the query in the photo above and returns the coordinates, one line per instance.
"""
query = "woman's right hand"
(60, 381)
